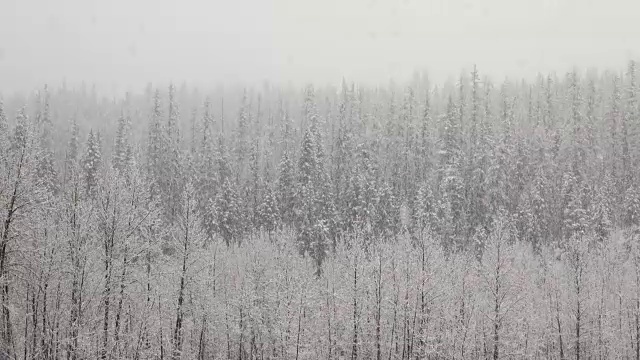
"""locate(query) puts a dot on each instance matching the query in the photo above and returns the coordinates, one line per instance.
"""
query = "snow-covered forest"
(475, 219)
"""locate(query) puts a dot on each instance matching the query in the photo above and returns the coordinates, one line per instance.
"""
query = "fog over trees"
(479, 218)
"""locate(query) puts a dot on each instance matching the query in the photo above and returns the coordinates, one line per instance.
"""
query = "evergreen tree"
(408, 130)
(122, 148)
(207, 131)
(306, 216)
(425, 158)
(243, 128)
(228, 216)
(499, 166)
(342, 147)
(155, 144)
(207, 169)
(632, 206)
(532, 212)
(425, 209)
(255, 183)
(576, 199)
(172, 130)
(46, 170)
(307, 165)
(386, 222)
(630, 127)
(4, 135)
(451, 188)
(477, 162)
(614, 120)
(4, 125)
(74, 141)
(268, 212)
(171, 171)
(21, 130)
(92, 162)
(601, 217)
(286, 188)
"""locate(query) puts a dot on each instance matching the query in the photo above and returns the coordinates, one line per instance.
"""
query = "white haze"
(123, 44)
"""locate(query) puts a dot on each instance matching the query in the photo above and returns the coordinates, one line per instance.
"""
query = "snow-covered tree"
(92, 162)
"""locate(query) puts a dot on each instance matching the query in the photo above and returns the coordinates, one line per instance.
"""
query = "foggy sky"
(123, 44)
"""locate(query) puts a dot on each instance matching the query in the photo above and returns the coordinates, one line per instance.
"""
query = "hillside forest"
(471, 219)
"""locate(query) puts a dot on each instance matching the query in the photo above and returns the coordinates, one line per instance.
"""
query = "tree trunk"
(354, 349)
(177, 334)
(560, 343)
(378, 307)
(120, 303)
(7, 328)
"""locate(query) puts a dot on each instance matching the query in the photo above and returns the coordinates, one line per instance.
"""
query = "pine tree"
(286, 188)
(408, 130)
(307, 165)
(74, 141)
(450, 154)
(46, 170)
(500, 168)
(4, 126)
(576, 199)
(425, 158)
(314, 208)
(207, 130)
(475, 109)
(632, 206)
(601, 217)
(243, 129)
(171, 171)
(630, 125)
(155, 144)
(386, 221)
(306, 193)
(356, 202)
(122, 146)
(425, 209)
(451, 207)
(342, 148)
(477, 162)
(614, 121)
(532, 212)
(255, 184)
(92, 162)
(228, 221)
(268, 212)
(578, 136)
(21, 130)
(590, 124)
(207, 169)
(4, 135)
(172, 131)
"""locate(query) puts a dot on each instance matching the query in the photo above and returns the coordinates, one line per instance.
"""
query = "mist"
(122, 45)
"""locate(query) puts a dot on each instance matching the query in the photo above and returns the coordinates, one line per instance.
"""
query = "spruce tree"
(92, 162)
(155, 144)
(122, 146)
(73, 146)
(286, 188)
(4, 124)
(171, 171)
(46, 170)
(451, 188)
(268, 212)
(21, 131)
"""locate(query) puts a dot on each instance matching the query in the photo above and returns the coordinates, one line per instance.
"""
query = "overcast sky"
(123, 44)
